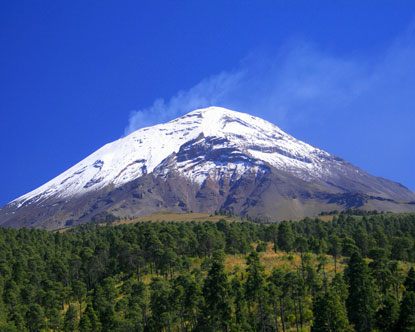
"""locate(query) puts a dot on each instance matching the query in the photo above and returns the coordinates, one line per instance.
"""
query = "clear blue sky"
(78, 74)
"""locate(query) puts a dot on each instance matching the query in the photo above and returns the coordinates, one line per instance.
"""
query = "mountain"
(206, 160)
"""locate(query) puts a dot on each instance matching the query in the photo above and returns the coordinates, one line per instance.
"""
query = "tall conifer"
(361, 302)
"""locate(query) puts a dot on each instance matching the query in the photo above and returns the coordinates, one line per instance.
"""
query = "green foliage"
(406, 321)
(410, 281)
(285, 237)
(361, 302)
(35, 318)
(329, 314)
(387, 314)
(255, 291)
(172, 277)
(89, 320)
(216, 308)
(161, 303)
(71, 320)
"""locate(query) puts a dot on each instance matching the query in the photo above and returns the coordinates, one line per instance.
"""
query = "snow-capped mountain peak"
(142, 151)
(206, 160)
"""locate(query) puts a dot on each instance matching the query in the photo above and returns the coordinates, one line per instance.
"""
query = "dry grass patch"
(178, 217)
(290, 261)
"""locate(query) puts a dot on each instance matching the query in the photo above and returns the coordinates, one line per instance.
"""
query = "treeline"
(171, 277)
(352, 212)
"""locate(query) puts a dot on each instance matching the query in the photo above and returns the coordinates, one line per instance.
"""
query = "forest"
(351, 271)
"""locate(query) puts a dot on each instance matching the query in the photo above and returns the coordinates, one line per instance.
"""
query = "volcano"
(207, 160)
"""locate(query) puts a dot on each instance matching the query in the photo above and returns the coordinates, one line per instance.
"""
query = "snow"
(142, 151)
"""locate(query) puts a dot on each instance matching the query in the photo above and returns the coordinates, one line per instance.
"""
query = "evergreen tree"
(85, 323)
(255, 291)
(406, 321)
(339, 286)
(329, 314)
(71, 320)
(349, 247)
(98, 268)
(79, 292)
(161, 304)
(410, 281)
(335, 249)
(387, 315)
(89, 321)
(301, 246)
(361, 302)
(55, 319)
(285, 237)
(108, 317)
(35, 318)
(240, 305)
(278, 296)
(137, 306)
(18, 320)
(216, 311)
(186, 296)
(294, 285)
(380, 270)
(8, 327)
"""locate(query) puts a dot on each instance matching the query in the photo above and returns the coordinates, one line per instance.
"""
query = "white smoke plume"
(285, 88)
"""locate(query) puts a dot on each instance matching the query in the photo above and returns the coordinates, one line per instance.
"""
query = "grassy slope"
(178, 217)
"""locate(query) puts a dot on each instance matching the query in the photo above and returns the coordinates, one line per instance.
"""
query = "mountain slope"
(206, 160)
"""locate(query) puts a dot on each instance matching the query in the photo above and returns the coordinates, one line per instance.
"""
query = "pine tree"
(8, 327)
(339, 286)
(89, 321)
(406, 321)
(302, 246)
(285, 237)
(335, 249)
(329, 314)
(55, 319)
(255, 290)
(361, 302)
(240, 305)
(161, 304)
(108, 318)
(388, 314)
(35, 318)
(137, 306)
(410, 281)
(186, 297)
(71, 319)
(380, 270)
(278, 296)
(216, 311)
(85, 323)
(79, 292)
(294, 285)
